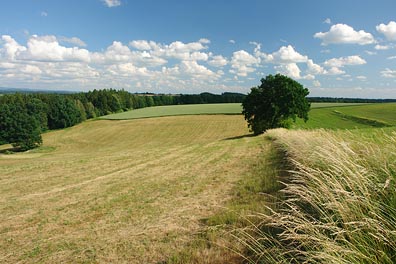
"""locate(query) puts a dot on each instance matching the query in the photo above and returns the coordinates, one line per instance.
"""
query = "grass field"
(350, 116)
(339, 202)
(146, 190)
(132, 191)
(173, 110)
(197, 109)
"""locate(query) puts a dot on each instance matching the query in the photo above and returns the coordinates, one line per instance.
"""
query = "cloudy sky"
(334, 48)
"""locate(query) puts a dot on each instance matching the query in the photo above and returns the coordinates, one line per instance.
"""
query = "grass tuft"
(339, 205)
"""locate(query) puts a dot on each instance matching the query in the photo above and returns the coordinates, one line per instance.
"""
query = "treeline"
(348, 100)
(209, 98)
(23, 117)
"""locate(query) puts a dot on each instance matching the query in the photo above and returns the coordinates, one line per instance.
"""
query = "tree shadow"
(10, 150)
(239, 137)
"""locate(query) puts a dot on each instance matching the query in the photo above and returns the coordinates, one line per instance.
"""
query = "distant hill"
(6, 90)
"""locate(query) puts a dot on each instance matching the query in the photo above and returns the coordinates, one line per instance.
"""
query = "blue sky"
(334, 48)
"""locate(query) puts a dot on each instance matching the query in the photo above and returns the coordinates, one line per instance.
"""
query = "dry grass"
(120, 191)
(339, 203)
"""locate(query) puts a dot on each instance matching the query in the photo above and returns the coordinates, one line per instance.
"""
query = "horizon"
(338, 49)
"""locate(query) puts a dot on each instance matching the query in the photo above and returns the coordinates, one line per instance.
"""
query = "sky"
(334, 48)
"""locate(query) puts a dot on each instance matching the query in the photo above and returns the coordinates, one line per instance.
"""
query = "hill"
(131, 191)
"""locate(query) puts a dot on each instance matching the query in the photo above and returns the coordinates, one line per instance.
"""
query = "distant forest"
(24, 116)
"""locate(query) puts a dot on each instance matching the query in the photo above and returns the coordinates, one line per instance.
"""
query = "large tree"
(18, 125)
(275, 103)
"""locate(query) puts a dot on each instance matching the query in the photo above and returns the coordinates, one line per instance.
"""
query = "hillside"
(120, 191)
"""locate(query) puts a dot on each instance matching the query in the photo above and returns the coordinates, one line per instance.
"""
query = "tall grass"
(339, 204)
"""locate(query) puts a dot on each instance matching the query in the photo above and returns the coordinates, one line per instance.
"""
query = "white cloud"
(388, 30)
(140, 44)
(290, 69)
(388, 73)
(382, 47)
(128, 69)
(112, 3)
(73, 40)
(242, 61)
(334, 71)
(43, 14)
(391, 58)
(327, 21)
(204, 41)
(11, 48)
(344, 34)
(232, 41)
(341, 62)
(218, 61)
(286, 54)
(43, 48)
(195, 69)
(314, 68)
(370, 52)
(361, 77)
(316, 83)
(31, 69)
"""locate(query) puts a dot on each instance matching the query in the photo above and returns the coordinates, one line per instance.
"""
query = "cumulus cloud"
(112, 3)
(204, 41)
(389, 31)
(287, 54)
(290, 69)
(47, 48)
(388, 73)
(314, 68)
(127, 70)
(341, 62)
(232, 41)
(344, 34)
(11, 48)
(242, 62)
(334, 71)
(195, 69)
(327, 21)
(218, 61)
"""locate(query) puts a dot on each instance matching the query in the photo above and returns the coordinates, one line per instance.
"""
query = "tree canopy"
(275, 103)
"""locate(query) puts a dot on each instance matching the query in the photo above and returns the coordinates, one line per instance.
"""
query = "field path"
(132, 191)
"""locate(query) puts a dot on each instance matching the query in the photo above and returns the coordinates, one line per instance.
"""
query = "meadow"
(188, 188)
(132, 191)
(197, 109)
(175, 110)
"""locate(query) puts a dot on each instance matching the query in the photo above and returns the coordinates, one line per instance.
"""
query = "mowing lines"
(120, 191)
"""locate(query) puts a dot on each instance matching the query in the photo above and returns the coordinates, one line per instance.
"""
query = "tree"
(275, 103)
(17, 125)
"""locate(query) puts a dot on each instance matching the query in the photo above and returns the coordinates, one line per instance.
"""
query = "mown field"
(196, 109)
(131, 191)
(162, 189)
(174, 110)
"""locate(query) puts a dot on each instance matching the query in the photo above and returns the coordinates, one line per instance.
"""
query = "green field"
(195, 109)
(322, 115)
(350, 117)
(173, 110)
